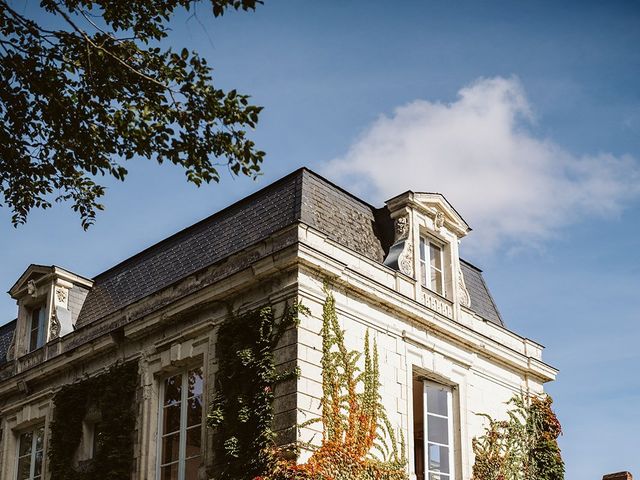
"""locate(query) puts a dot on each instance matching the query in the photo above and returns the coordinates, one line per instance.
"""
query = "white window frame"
(32, 454)
(425, 263)
(184, 393)
(451, 445)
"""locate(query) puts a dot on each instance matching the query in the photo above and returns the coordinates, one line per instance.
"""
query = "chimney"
(618, 476)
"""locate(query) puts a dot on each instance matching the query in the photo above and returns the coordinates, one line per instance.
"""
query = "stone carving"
(31, 288)
(463, 294)
(402, 228)
(54, 326)
(405, 262)
(438, 220)
(400, 255)
(61, 295)
(438, 305)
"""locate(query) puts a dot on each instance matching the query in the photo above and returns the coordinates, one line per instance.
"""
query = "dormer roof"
(38, 273)
(431, 204)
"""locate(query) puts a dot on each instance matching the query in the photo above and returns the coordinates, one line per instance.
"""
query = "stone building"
(445, 352)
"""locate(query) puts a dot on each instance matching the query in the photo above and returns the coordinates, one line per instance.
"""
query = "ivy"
(241, 413)
(114, 394)
(358, 441)
(524, 447)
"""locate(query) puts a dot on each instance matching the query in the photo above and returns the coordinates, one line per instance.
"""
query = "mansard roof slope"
(300, 197)
(481, 300)
(6, 337)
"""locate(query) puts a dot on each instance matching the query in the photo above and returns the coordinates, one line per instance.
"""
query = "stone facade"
(161, 309)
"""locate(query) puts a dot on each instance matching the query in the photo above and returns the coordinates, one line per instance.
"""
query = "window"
(96, 439)
(36, 330)
(180, 426)
(30, 453)
(432, 431)
(431, 265)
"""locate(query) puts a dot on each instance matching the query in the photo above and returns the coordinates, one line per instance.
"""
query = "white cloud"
(510, 186)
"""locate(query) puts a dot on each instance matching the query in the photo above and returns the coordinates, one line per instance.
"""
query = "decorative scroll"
(54, 326)
(400, 255)
(463, 294)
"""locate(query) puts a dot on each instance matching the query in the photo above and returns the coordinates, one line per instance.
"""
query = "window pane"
(170, 448)
(195, 382)
(436, 281)
(437, 429)
(170, 472)
(24, 468)
(438, 476)
(438, 458)
(191, 470)
(26, 440)
(38, 463)
(194, 411)
(423, 251)
(39, 438)
(423, 274)
(193, 442)
(437, 400)
(435, 254)
(41, 331)
(171, 419)
(172, 390)
(33, 341)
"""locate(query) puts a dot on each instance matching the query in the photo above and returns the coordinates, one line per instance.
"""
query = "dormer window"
(49, 302)
(431, 262)
(37, 328)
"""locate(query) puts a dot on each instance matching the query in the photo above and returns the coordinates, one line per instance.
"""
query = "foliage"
(91, 89)
(524, 447)
(241, 413)
(353, 418)
(114, 394)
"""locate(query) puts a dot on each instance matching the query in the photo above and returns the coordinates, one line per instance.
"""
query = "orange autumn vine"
(358, 441)
(524, 447)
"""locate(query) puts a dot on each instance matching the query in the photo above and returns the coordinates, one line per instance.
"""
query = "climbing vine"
(524, 447)
(113, 393)
(358, 441)
(241, 413)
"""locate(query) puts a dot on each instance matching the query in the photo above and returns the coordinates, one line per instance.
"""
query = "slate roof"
(301, 196)
(6, 335)
(235, 228)
(481, 300)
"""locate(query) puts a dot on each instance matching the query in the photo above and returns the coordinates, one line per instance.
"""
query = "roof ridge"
(471, 264)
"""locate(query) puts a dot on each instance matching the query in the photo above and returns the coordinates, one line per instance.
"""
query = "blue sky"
(525, 114)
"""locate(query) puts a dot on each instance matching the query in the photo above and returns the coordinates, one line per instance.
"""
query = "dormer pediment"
(36, 276)
(29, 281)
(432, 205)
